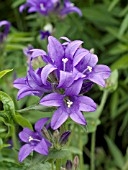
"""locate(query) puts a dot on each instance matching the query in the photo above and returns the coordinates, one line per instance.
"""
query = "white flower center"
(42, 7)
(31, 138)
(65, 60)
(89, 68)
(69, 103)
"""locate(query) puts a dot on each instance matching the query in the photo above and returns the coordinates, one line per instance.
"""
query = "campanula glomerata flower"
(70, 71)
(69, 104)
(34, 140)
(31, 84)
(51, 6)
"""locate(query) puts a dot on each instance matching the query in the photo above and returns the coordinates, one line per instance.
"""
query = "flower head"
(70, 71)
(51, 6)
(34, 140)
(69, 104)
(93, 72)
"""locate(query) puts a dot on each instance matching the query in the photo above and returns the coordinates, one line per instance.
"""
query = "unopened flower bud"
(56, 134)
(92, 50)
(46, 133)
(69, 165)
(64, 137)
(76, 162)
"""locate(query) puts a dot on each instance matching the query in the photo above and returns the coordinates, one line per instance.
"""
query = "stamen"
(89, 68)
(65, 60)
(42, 7)
(69, 103)
(31, 138)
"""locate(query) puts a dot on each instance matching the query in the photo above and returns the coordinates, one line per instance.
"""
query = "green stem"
(93, 137)
(14, 137)
(103, 101)
(52, 164)
(93, 140)
(58, 164)
(81, 155)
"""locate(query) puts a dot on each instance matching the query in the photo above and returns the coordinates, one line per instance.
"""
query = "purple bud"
(86, 87)
(69, 165)
(64, 137)
(44, 34)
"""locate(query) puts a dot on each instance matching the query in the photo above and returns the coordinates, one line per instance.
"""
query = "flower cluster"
(51, 6)
(70, 71)
(4, 33)
(41, 140)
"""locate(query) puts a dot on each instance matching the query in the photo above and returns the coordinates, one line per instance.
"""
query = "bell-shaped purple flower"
(87, 65)
(51, 6)
(6, 26)
(41, 6)
(68, 8)
(60, 61)
(69, 104)
(31, 84)
(34, 140)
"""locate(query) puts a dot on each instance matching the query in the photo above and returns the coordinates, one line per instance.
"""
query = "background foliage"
(104, 27)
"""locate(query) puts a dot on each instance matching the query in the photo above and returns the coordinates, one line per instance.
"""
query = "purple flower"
(44, 34)
(70, 105)
(6, 26)
(68, 8)
(34, 140)
(31, 84)
(87, 65)
(27, 51)
(51, 6)
(60, 60)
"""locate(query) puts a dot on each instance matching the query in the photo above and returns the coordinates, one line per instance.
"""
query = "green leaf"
(121, 63)
(36, 107)
(17, 3)
(2, 145)
(116, 153)
(23, 122)
(124, 26)
(114, 104)
(58, 154)
(113, 4)
(8, 104)
(40, 166)
(2, 73)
